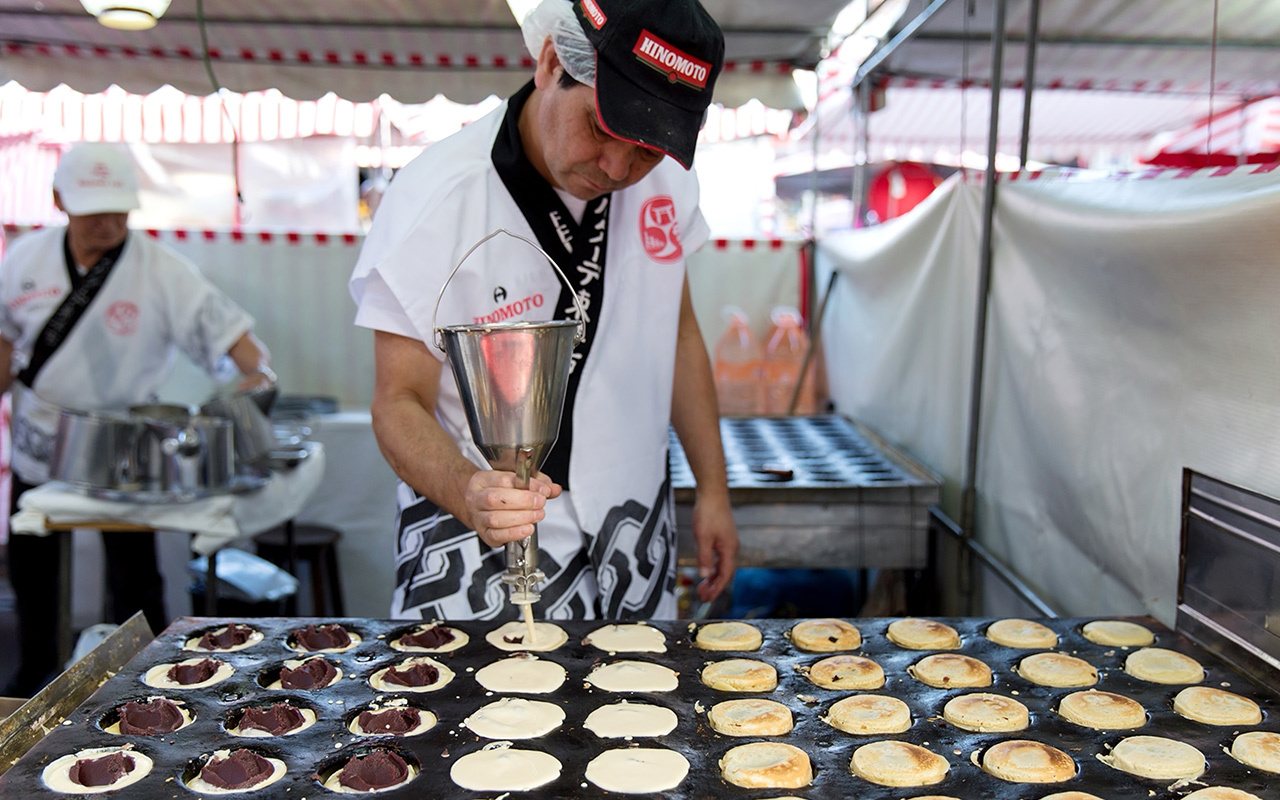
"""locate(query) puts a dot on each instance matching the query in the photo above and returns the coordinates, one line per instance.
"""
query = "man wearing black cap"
(576, 161)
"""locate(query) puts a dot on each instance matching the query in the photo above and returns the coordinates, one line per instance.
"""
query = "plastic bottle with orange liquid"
(739, 359)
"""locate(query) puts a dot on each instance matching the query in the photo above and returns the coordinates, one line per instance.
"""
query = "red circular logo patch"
(122, 318)
(659, 230)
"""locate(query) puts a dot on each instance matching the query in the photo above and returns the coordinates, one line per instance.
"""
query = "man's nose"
(617, 158)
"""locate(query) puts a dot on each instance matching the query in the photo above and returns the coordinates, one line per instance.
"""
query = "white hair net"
(556, 18)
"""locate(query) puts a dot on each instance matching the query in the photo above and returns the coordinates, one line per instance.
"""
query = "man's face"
(98, 232)
(580, 157)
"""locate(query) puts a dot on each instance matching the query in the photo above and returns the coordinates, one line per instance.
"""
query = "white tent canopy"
(409, 49)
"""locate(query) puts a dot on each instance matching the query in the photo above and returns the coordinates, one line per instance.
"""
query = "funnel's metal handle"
(582, 312)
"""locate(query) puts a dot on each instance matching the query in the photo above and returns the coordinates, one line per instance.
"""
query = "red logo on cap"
(594, 14)
(677, 65)
(122, 318)
(659, 230)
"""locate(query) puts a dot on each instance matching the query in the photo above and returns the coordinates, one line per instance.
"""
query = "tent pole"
(1029, 81)
(985, 255)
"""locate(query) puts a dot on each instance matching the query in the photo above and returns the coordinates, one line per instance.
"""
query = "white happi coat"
(436, 208)
(121, 349)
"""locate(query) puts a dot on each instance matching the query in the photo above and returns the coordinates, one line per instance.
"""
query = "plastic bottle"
(784, 356)
(738, 362)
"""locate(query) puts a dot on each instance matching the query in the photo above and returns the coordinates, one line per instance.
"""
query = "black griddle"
(324, 746)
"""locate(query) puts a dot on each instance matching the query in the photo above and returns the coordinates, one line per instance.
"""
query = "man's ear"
(547, 71)
(57, 201)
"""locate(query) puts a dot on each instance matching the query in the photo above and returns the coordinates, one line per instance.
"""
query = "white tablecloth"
(216, 521)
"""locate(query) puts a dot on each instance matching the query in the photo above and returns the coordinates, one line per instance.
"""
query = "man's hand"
(716, 535)
(501, 513)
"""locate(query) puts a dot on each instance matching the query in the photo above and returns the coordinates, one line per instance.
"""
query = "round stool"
(317, 547)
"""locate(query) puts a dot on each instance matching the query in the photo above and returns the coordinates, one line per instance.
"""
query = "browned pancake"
(985, 712)
(825, 636)
(852, 673)
(893, 763)
(1021, 633)
(1102, 710)
(1057, 669)
(1026, 761)
(923, 634)
(950, 671)
(767, 765)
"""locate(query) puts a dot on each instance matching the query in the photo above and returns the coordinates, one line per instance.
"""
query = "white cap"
(95, 178)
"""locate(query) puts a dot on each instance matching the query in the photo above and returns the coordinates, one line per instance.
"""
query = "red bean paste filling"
(412, 675)
(157, 715)
(378, 770)
(314, 673)
(398, 720)
(275, 719)
(233, 636)
(187, 674)
(102, 771)
(432, 638)
(322, 637)
(239, 770)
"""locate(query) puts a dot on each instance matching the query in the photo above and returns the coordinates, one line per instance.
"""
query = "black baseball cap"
(656, 66)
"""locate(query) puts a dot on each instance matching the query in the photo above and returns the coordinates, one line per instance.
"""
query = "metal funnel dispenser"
(512, 378)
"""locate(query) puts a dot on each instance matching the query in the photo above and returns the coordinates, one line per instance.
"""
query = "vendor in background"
(90, 317)
(590, 159)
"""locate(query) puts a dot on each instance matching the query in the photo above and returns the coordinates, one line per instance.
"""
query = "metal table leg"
(64, 597)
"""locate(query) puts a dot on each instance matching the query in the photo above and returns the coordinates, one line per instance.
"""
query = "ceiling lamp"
(127, 15)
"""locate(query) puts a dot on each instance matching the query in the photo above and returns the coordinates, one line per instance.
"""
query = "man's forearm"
(422, 454)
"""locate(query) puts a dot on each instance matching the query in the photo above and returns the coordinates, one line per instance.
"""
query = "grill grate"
(830, 750)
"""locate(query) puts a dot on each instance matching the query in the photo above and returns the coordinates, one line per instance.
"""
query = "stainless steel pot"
(254, 433)
(194, 455)
(95, 450)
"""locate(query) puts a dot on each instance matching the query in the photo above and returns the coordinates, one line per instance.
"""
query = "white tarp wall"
(1132, 332)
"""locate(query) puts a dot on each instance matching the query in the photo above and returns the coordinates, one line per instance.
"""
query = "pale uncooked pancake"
(1021, 633)
(515, 718)
(57, 775)
(334, 782)
(892, 763)
(629, 638)
(513, 635)
(740, 675)
(1157, 665)
(634, 676)
(1070, 796)
(950, 671)
(158, 676)
(499, 767)
(869, 714)
(199, 784)
(426, 720)
(308, 719)
(378, 679)
(751, 716)
(766, 765)
(187, 715)
(522, 673)
(193, 643)
(459, 639)
(351, 645)
(1156, 757)
(1117, 633)
(825, 636)
(1216, 707)
(986, 713)
(295, 663)
(1026, 761)
(923, 634)
(637, 770)
(845, 672)
(728, 636)
(626, 720)
(1102, 710)
(1258, 749)
(1220, 793)
(1057, 669)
